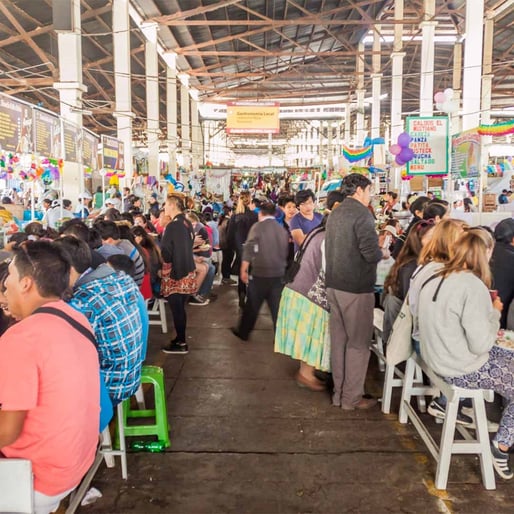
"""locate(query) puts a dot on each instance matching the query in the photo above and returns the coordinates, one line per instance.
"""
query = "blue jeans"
(205, 288)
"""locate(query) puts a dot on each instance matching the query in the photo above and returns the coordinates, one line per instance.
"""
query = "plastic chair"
(16, 486)
(158, 309)
(159, 428)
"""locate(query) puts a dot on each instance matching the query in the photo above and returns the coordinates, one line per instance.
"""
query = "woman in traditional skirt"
(302, 326)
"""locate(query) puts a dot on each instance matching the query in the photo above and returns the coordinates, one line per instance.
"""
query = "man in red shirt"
(49, 376)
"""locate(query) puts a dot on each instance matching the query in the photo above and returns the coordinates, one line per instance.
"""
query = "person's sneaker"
(501, 462)
(228, 281)
(198, 300)
(177, 348)
(491, 425)
(238, 334)
(366, 402)
(438, 410)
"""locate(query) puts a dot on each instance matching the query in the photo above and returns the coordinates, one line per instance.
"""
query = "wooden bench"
(479, 445)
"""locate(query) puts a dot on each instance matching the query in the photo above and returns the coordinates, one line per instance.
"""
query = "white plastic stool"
(378, 345)
(158, 309)
(16, 486)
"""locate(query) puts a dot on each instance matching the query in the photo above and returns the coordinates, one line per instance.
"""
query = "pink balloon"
(439, 97)
(404, 139)
(395, 149)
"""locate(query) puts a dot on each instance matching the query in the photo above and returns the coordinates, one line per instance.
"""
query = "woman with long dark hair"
(178, 281)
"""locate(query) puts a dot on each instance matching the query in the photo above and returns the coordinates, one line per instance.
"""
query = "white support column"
(123, 90)
(185, 136)
(426, 90)
(330, 148)
(152, 97)
(397, 76)
(456, 120)
(196, 134)
(473, 47)
(360, 134)
(171, 112)
(347, 124)
(376, 84)
(270, 149)
(70, 89)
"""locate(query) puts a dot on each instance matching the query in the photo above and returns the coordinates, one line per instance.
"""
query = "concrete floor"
(246, 439)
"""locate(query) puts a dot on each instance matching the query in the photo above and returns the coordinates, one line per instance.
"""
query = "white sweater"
(457, 328)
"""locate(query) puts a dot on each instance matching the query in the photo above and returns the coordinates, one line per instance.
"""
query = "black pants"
(259, 290)
(178, 304)
(226, 263)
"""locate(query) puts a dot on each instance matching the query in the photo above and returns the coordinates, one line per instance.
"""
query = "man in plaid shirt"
(109, 299)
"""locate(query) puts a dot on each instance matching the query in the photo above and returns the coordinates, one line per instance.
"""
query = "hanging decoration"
(444, 101)
(401, 150)
(357, 154)
(498, 129)
(177, 186)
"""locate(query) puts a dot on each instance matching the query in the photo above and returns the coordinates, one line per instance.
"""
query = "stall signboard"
(46, 127)
(90, 144)
(16, 126)
(430, 145)
(71, 139)
(113, 157)
(253, 118)
(466, 154)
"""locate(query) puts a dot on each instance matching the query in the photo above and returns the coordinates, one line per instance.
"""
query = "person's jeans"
(205, 288)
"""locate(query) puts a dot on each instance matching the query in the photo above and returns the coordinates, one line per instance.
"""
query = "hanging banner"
(71, 140)
(217, 181)
(47, 134)
(429, 144)
(466, 154)
(113, 157)
(253, 118)
(90, 144)
(16, 122)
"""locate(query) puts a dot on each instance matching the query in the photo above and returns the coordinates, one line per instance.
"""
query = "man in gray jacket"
(352, 254)
(265, 251)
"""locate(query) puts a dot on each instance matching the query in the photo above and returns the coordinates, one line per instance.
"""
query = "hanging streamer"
(357, 154)
(498, 129)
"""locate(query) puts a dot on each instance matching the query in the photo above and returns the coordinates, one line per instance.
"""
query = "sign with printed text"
(253, 118)
(90, 144)
(16, 126)
(429, 144)
(466, 154)
(113, 151)
(47, 134)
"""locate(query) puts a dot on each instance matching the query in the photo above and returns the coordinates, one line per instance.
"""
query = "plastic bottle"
(148, 446)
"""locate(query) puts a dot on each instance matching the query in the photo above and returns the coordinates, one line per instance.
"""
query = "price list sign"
(16, 134)
(430, 145)
(47, 134)
(90, 150)
(113, 157)
(71, 141)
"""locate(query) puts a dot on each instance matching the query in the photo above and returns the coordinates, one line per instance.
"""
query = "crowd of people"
(320, 273)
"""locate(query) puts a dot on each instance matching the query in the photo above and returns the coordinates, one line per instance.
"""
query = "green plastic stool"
(155, 376)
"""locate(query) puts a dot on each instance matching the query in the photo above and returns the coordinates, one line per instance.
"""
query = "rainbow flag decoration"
(498, 129)
(357, 154)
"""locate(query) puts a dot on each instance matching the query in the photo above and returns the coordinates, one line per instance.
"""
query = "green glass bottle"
(148, 446)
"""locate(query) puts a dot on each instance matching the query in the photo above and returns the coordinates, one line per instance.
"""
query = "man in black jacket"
(265, 251)
(352, 254)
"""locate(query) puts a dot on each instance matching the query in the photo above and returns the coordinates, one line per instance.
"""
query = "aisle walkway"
(245, 438)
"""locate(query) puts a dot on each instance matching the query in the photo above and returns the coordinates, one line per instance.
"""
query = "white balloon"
(446, 106)
(454, 106)
(439, 106)
(448, 93)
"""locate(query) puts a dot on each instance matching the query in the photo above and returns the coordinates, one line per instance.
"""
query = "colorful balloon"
(404, 139)
(395, 149)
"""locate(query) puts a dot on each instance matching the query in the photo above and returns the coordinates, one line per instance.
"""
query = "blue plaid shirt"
(110, 303)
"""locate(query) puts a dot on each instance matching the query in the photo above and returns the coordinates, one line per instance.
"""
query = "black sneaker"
(438, 410)
(177, 348)
(228, 281)
(501, 462)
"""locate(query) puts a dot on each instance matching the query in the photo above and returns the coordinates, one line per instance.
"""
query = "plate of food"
(505, 339)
